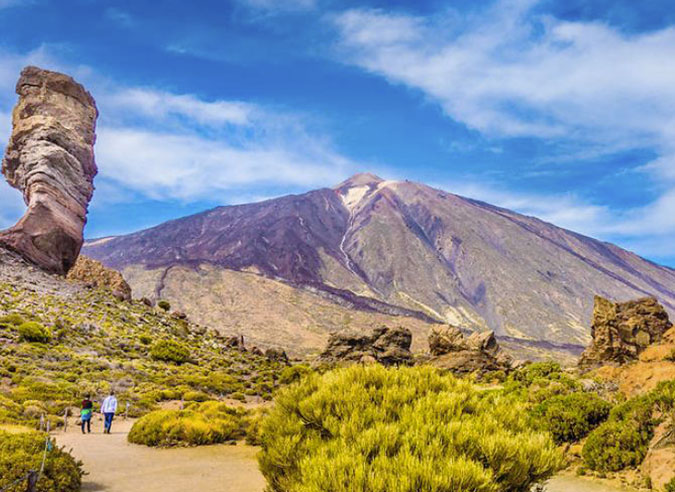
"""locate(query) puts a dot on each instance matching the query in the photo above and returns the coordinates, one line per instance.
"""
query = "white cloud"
(507, 72)
(189, 167)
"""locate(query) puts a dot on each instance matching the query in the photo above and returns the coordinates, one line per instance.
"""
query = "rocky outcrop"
(388, 346)
(621, 331)
(479, 352)
(50, 158)
(94, 273)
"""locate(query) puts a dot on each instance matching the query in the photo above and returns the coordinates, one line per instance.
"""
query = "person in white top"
(108, 410)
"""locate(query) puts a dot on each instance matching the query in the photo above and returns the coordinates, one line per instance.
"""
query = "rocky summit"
(622, 331)
(393, 247)
(50, 159)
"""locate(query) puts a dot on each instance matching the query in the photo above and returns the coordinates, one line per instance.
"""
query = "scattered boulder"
(50, 158)
(621, 331)
(92, 272)
(479, 352)
(388, 346)
(147, 301)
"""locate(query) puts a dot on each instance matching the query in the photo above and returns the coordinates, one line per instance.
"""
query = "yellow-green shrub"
(375, 429)
(21, 453)
(170, 351)
(199, 424)
(32, 331)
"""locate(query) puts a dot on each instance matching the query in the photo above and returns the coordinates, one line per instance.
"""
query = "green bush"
(571, 417)
(616, 445)
(32, 331)
(21, 453)
(165, 305)
(12, 319)
(291, 374)
(623, 440)
(170, 351)
(199, 424)
(374, 429)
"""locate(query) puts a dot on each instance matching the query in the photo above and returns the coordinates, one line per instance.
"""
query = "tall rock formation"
(50, 158)
(621, 331)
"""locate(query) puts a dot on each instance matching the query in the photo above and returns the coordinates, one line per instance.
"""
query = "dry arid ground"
(114, 465)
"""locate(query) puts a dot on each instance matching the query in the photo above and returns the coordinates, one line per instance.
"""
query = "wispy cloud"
(509, 72)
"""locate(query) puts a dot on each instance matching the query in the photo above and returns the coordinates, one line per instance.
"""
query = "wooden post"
(126, 411)
(42, 421)
(31, 483)
(65, 420)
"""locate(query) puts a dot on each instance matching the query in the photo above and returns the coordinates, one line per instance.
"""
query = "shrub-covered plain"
(96, 341)
(405, 430)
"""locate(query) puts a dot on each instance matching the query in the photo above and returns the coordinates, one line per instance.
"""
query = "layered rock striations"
(388, 346)
(621, 331)
(479, 352)
(50, 159)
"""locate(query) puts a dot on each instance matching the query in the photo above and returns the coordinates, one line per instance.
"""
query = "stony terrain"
(389, 246)
(50, 158)
(622, 331)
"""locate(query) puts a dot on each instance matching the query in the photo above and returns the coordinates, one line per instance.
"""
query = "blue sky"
(560, 109)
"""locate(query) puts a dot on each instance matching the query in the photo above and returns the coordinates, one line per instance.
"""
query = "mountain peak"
(360, 179)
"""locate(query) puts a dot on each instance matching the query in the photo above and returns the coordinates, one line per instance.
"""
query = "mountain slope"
(411, 246)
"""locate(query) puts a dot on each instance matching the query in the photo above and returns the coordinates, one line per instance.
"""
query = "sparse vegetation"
(408, 429)
(99, 341)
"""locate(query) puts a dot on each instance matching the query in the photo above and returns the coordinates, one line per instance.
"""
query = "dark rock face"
(50, 158)
(480, 352)
(388, 346)
(621, 331)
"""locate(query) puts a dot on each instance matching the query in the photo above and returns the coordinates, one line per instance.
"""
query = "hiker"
(86, 413)
(108, 410)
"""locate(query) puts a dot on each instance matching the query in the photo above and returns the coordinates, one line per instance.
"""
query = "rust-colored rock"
(621, 331)
(93, 272)
(388, 346)
(480, 352)
(50, 158)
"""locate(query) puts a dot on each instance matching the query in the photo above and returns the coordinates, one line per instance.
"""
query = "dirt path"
(117, 466)
(571, 483)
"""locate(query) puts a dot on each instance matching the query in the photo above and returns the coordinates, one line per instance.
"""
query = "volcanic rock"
(93, 272)
(276, 355)
(621, 331)
(388, 346)
(50, 158)
(480, 352)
